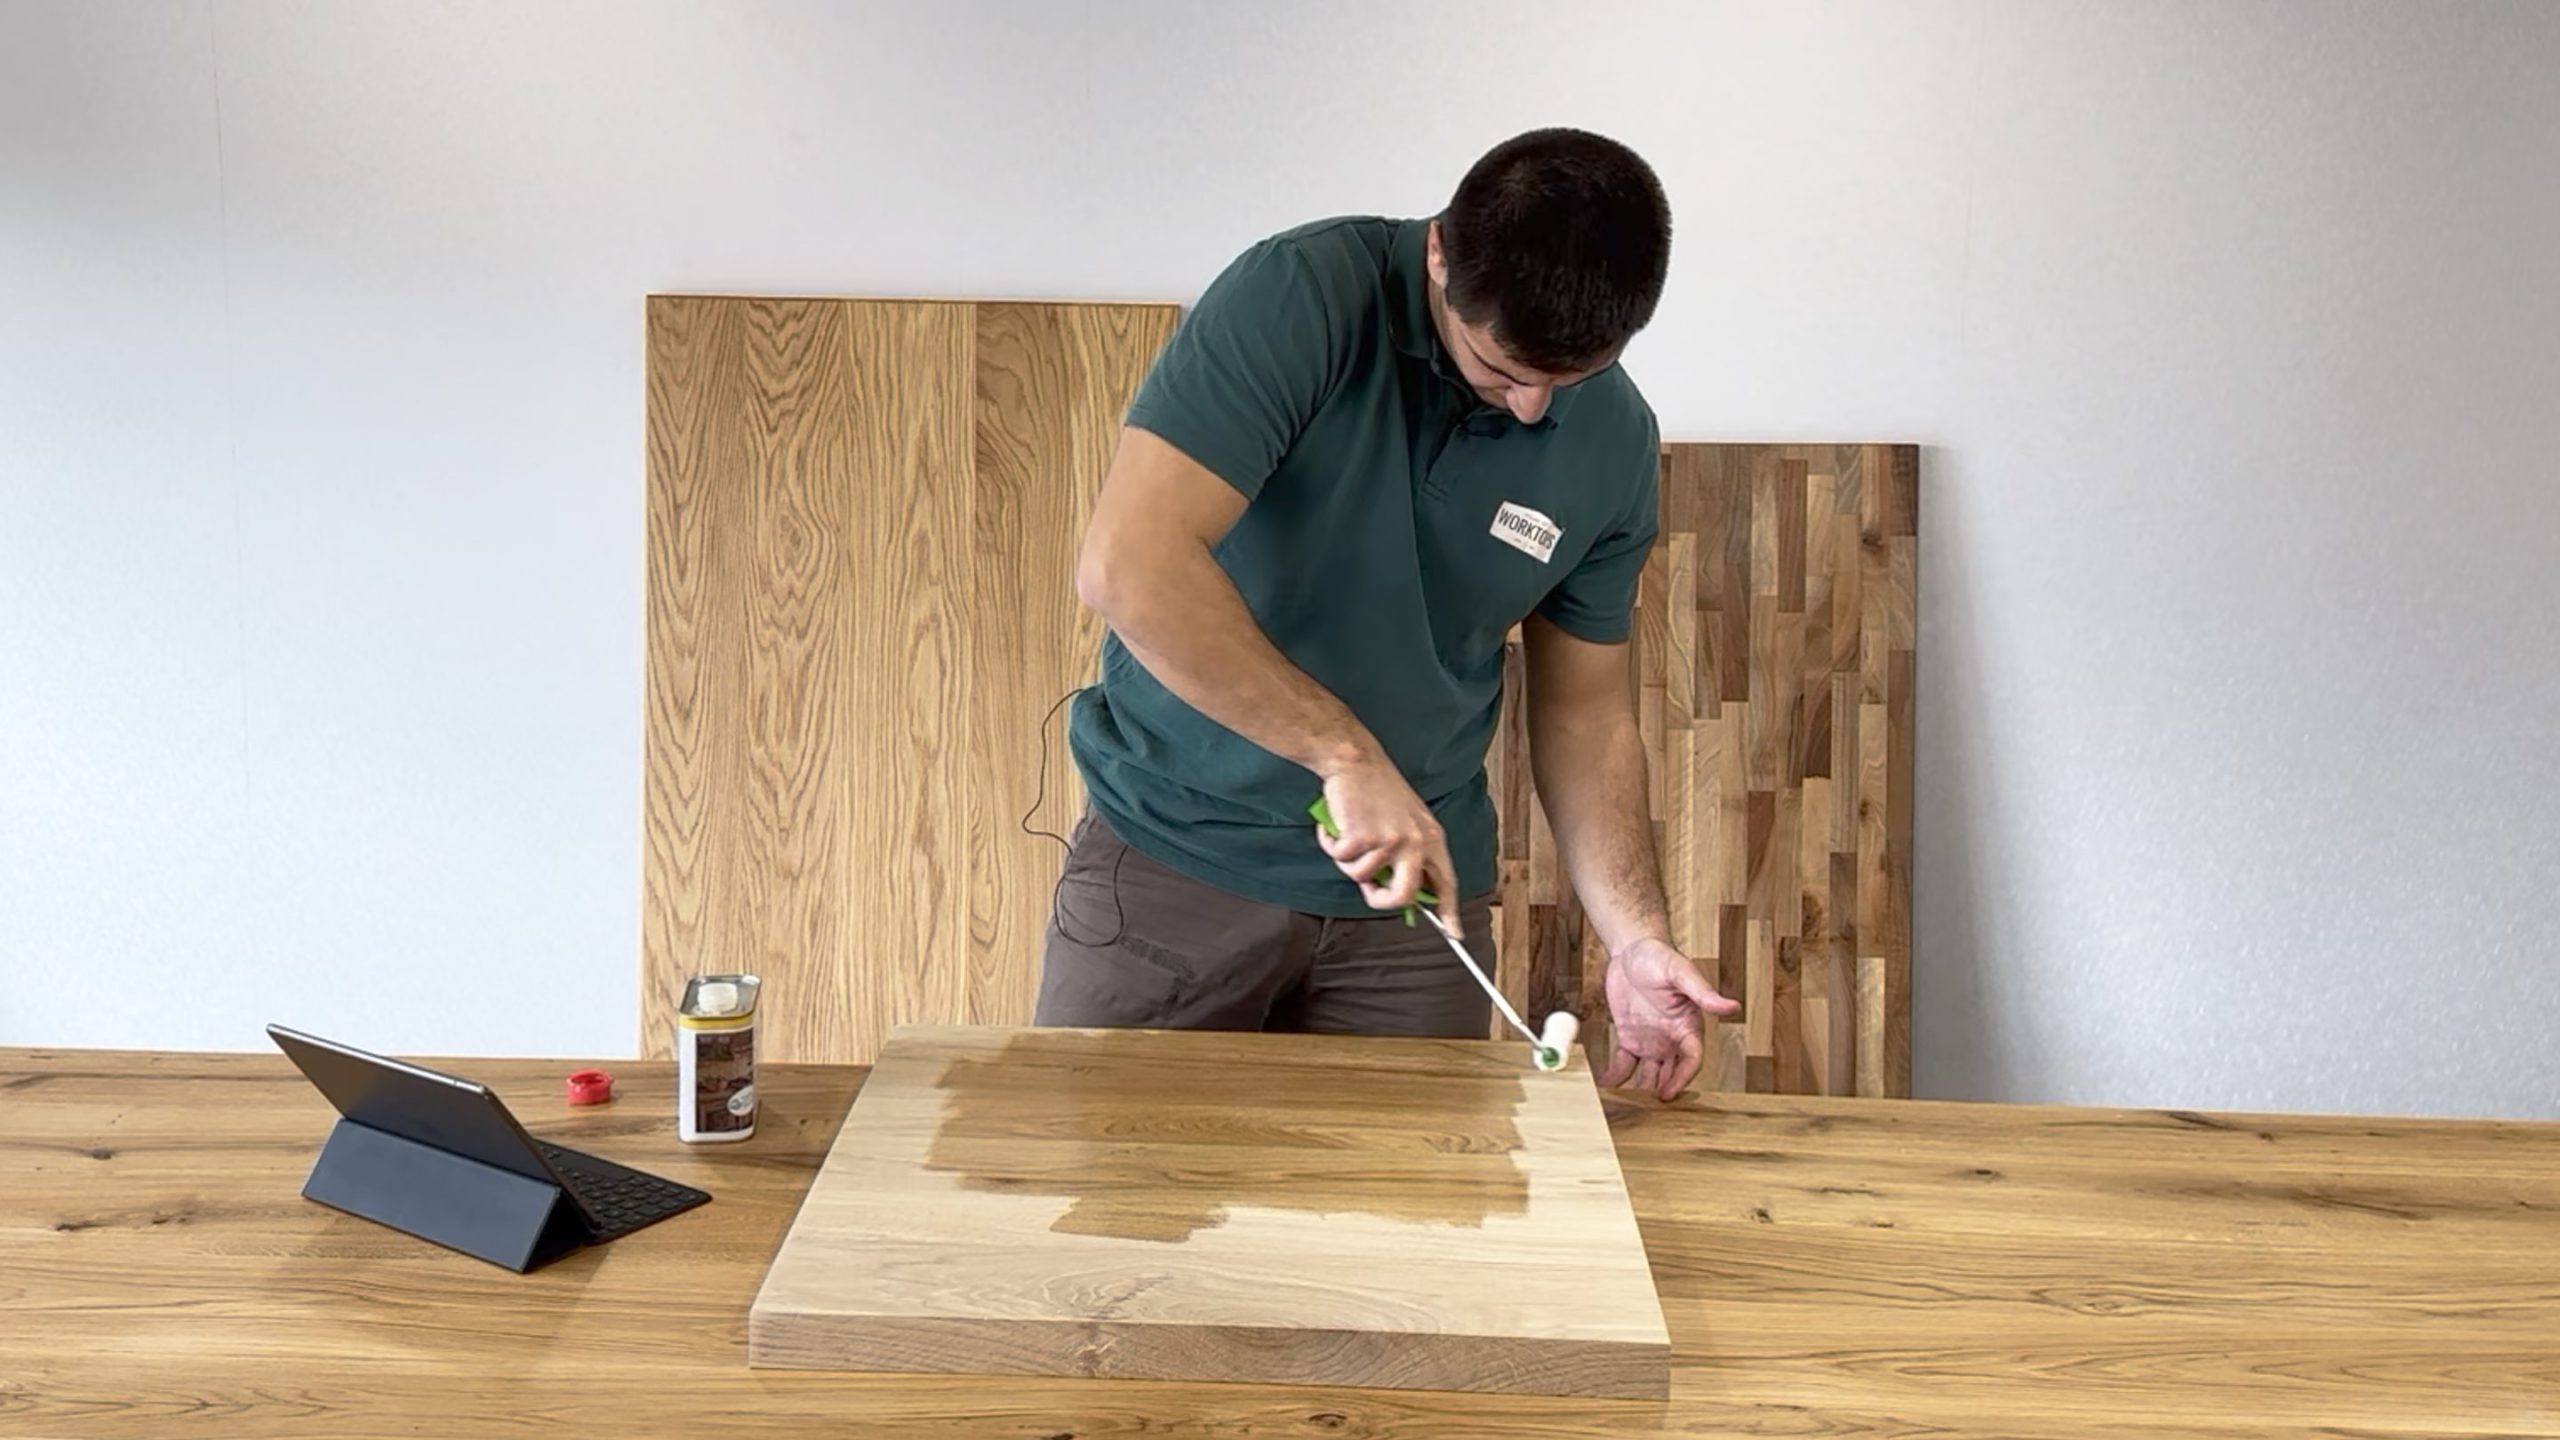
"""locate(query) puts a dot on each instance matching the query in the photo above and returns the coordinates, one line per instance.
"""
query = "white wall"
(2231, 330)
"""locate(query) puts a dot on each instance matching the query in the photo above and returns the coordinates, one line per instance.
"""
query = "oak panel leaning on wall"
(1774, 666)
(862, 524)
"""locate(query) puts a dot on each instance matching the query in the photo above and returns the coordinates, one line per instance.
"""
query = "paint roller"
(1548, 1046)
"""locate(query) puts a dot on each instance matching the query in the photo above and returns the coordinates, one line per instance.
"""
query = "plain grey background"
(2232, 330)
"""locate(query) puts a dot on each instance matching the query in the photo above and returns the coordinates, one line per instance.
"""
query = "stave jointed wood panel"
(861, 528)
(1291, 1209)
(1774, 666)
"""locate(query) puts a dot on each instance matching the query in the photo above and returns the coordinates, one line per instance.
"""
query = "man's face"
(1496, 377)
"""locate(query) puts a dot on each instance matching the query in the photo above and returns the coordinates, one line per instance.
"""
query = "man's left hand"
(1657, 999)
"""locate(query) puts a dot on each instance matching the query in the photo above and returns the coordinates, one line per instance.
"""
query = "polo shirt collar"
(1409, 290)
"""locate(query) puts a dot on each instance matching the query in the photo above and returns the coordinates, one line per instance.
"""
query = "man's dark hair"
(1558, 238)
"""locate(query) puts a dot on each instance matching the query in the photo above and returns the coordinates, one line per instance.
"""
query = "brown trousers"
(1135, 944)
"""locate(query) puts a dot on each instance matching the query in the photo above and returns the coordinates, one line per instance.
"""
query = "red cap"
(590, 1087)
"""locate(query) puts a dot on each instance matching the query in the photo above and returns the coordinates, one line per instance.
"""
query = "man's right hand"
(1386, 827)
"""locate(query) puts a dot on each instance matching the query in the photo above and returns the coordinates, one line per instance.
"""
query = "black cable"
(1039, 797)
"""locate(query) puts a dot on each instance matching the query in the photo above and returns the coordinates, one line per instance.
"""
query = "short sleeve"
(1597, 601)
(1246, 370)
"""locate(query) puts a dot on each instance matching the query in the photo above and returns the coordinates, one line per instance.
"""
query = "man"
(1371, 449)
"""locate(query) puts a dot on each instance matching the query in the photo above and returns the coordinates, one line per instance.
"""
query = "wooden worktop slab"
(1423, 1214)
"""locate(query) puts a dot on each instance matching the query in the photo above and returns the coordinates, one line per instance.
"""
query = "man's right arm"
(1148, 567)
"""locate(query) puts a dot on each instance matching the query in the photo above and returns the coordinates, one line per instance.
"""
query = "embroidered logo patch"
(1526, 531)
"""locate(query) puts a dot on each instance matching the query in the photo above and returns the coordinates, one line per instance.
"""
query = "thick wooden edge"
(1122, 1350)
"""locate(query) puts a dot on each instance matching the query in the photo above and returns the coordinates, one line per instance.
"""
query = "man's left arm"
(1587, 757)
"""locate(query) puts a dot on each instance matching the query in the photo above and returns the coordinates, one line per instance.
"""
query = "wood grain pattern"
(1189, 1206)
(1827, 1267)
(861, 528)
(1774, 660)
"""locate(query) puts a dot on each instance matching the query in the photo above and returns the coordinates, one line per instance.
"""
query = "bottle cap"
(590, 1087)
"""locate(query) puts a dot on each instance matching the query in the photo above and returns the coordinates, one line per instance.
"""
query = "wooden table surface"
(1828, 1267)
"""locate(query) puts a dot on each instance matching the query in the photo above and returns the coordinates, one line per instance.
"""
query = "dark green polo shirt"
(1397, 528)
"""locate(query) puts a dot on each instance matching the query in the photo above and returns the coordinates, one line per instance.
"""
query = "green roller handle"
(1324, 817)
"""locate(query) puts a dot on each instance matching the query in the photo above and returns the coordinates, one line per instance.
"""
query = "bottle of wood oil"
(716, 1059)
